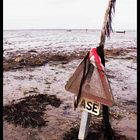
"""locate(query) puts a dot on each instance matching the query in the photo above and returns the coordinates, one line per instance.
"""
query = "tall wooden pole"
(105, 32)
(106, 29)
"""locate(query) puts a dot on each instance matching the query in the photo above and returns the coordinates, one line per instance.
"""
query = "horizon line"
(66, 29)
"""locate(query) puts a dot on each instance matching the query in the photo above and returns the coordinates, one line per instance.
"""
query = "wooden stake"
(83, 131)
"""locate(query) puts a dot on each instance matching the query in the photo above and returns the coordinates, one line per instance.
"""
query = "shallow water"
(62, 40)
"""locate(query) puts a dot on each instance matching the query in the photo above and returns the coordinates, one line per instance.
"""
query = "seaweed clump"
(30, 110)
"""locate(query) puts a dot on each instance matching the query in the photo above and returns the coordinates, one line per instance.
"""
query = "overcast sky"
(77, 14)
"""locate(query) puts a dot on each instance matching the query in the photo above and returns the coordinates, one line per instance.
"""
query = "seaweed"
(30, 110)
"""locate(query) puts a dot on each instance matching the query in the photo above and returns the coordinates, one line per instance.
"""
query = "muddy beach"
(34, 80)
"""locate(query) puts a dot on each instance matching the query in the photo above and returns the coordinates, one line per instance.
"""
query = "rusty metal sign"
(96, 87)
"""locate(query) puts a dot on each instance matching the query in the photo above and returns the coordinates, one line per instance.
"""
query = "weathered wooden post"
(106, 29)
(90, 84)
(83, 130)
(105, 32)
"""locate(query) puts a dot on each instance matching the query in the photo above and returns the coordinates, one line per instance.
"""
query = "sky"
(67, 14)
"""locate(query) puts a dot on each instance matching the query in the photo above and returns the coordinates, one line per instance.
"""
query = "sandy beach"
(36, 67)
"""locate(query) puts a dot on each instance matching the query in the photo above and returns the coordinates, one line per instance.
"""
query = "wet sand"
(50, 78)
(32, 72)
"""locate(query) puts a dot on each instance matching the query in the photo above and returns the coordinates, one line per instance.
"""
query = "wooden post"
(83, 131)
(106, 29)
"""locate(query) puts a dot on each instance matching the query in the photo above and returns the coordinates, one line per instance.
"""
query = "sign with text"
(90, 106)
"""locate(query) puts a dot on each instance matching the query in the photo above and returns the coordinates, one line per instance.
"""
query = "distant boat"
(69, 30)
(120, 31)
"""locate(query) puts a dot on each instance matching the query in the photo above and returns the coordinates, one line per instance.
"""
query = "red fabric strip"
(97, 60)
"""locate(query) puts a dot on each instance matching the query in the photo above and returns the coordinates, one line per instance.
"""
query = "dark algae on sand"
(30, 110)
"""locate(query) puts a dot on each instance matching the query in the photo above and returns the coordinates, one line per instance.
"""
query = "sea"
(63, 40)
